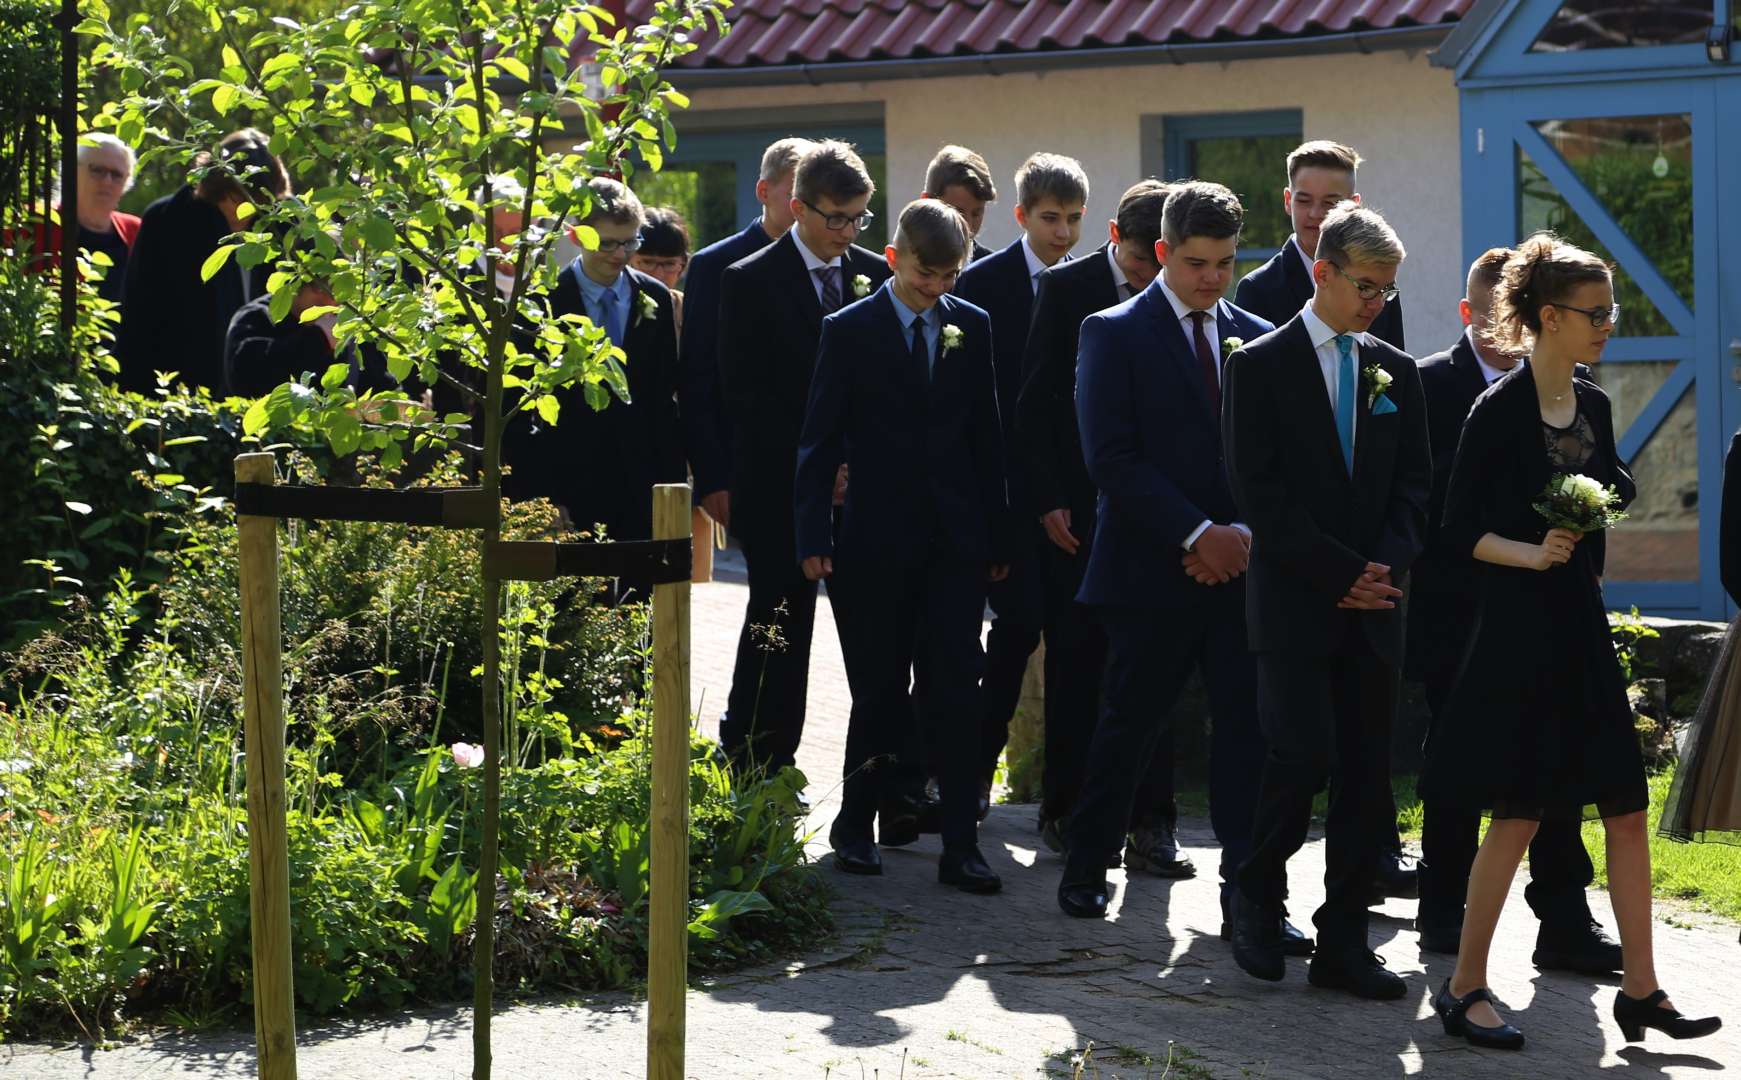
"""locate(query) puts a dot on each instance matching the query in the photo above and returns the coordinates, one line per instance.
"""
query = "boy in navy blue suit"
(903, 396)
(1165, 574)
(1051, 197)
(961, 178)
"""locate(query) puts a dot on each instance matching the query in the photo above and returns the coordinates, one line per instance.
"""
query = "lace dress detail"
(1570, 448)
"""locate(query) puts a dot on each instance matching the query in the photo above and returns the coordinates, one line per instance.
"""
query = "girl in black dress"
(1539, 724)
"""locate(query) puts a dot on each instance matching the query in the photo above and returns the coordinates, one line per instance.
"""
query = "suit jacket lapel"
(1171, 334)
(1464, 362)
(1306, 384)
(803, 285)
(1299, 282)
(1097, 278)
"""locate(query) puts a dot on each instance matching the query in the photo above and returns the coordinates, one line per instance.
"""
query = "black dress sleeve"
(1729, 538)
(1470, 512)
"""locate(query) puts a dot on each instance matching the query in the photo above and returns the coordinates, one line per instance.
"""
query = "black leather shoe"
(1585, 949)
(1358, 971)
(1444, 940)
(968, 871)
(1294, 942)
(1635, 1014)
(1454, 1014)
(1083, 900)
(1257, 946)
(1156, 851)
(858, 857)
(1395, 876)
(897, 822)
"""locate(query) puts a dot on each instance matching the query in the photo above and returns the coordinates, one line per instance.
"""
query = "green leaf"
(335, 377)
(344, 435)
(549, 408)
(254, 421)
(184, 440)
(677, 98)
(216, 260)
(224, 99)
(378, 230)
(513, 67)
(246, 210)
(310, 314)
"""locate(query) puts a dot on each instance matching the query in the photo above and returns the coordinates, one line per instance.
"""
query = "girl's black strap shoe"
(1454, 1014)
(1635, 1014)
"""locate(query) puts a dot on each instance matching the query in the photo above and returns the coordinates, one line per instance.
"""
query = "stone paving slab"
(924, 982)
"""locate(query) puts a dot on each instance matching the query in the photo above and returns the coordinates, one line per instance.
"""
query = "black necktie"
(830, 288)
(920, 352)
(1206, 360)
(1129, 290)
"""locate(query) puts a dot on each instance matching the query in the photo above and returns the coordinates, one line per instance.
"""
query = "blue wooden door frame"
(1505, 90)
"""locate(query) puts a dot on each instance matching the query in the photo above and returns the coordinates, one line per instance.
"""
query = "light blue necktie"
(1345, 399)
(613, 318)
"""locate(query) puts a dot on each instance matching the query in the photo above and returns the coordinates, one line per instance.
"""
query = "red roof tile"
(777, 32)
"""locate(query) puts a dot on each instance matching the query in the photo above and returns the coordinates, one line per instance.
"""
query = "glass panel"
(1630, 386)
(1252, 167)
(1618, 24)
(877, 236)
(705, 193)
(1659, 540)
(1640, 168)
(1541, 207)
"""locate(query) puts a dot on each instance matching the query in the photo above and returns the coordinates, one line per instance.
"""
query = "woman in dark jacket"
(171, 320)
(1538, 724)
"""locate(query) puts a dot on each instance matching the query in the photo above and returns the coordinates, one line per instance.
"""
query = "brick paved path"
(944, 985)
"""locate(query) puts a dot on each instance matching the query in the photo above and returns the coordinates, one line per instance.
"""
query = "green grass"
(1706, 875)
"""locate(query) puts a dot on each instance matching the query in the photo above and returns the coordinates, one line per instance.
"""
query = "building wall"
(1400, 114)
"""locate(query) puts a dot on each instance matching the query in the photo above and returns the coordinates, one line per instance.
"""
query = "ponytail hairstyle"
(1543, 270)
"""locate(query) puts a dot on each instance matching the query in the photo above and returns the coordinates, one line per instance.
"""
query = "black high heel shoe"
(1635, 1014)
(1454, 1014)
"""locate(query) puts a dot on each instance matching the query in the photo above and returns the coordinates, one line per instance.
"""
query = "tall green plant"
(408, 114)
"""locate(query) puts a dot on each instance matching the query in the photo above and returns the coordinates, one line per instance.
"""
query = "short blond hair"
(782, 157)
(1050, 176)
(1352, 233)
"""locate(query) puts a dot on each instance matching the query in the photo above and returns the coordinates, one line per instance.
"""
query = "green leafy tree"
(405, 124)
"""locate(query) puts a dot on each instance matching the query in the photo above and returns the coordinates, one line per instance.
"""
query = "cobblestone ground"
(925, 982)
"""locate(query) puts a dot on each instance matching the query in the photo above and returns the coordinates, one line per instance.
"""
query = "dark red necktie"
(1206, 361)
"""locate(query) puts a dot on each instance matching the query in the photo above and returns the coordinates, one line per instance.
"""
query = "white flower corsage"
(952, 337)
(649, 309)
(1231, 345)
(861, 286)
(1378, 381)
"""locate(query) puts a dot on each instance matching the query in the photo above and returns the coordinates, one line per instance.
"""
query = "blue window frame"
(1247, 151)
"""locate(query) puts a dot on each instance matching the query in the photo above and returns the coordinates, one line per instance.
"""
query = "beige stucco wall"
(1399, 112)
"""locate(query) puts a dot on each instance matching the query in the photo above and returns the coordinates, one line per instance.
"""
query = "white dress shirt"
(1035, 265)
(1294, 242)
(1211, 331)
(1330, 358)
(1118, 278)
(1488, 371)
(813, 264)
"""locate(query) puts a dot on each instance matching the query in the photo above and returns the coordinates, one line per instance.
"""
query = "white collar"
(1294, 242)
(1180, 308)
(1119, 281)
(1035, 264)
(811, 262)
(1321, 333)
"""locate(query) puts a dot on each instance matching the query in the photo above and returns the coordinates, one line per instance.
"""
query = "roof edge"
(1468, 33)
(1363, 41)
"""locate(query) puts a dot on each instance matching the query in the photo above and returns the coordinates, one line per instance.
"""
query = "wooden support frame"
(260, 504)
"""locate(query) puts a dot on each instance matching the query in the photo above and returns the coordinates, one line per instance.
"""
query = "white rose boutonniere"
(1378, 381)
(952, 338)
(1231, 345)
(861, 286)
(649, 309)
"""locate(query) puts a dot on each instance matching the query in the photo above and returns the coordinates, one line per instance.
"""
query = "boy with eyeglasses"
(600, 464)
(771, 308)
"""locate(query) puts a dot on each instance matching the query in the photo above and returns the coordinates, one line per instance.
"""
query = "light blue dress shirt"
(592, 294)
(933, 327)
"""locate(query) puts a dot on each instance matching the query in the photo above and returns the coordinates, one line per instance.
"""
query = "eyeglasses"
(1599, 317)
(106, 172)
(1369, 291)
(657, 264)
(631, 245)
(860, 220)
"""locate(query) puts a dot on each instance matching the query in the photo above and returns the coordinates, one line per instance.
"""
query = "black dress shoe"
(1569, 946)
(1359, 971)
(968, 871)
(1294, 942)
(1257, 946)
(1083, 899)
(1635, 1014)
(858, 857)
(1454, 1014)
(1156, 851)
(1445, 940)
(1395, 876)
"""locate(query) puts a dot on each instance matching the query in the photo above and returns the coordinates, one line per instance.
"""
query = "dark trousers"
(1016, 607)
(765, 710)
(1559, 866)
(1151, 655)
(897, 618)
(1327, 721)
(1075, 666)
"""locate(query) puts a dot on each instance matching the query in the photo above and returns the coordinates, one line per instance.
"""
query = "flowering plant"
(952, 338)
(1579, 503)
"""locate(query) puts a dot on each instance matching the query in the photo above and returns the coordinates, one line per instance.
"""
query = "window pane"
(877, 236)
(1619, 24)
(1253, 167)
(1659, 540)
(1540, 206)
(705, 194)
